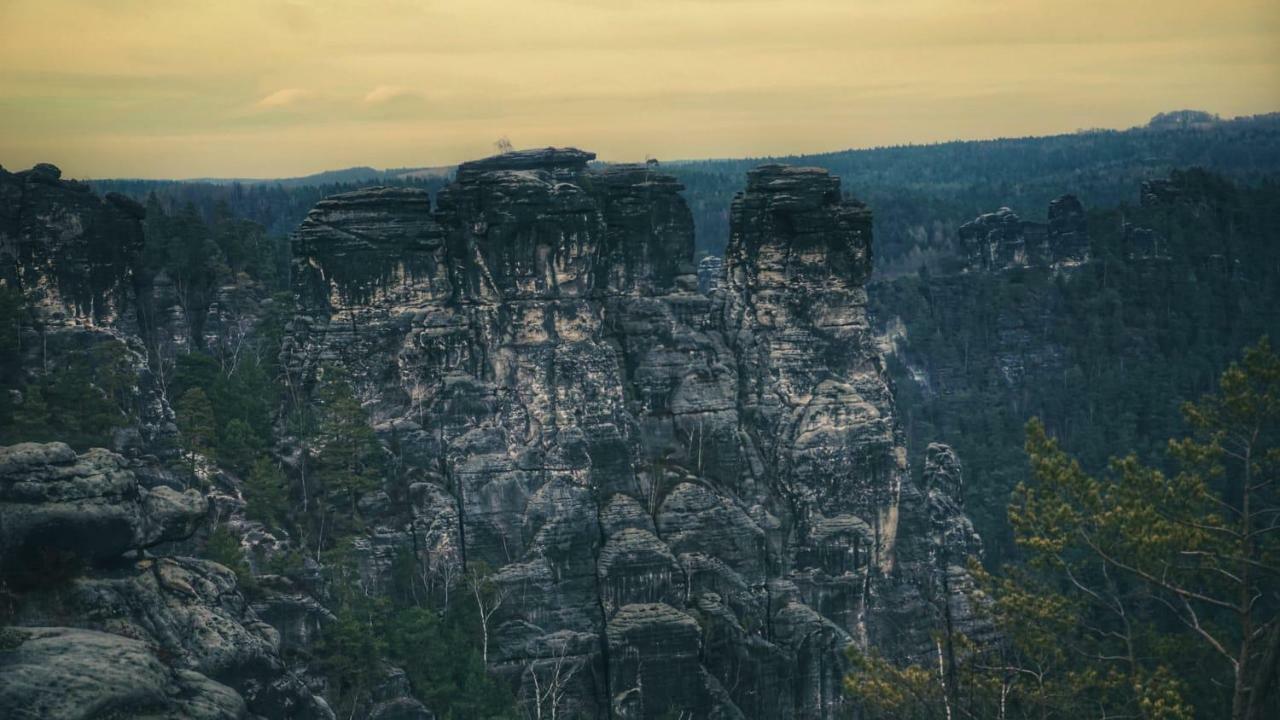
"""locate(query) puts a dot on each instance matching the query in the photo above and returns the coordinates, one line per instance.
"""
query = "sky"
(278, 88)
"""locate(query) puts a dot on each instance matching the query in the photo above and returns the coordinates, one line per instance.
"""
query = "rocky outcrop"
(996, 240)
(690, 500)
(1002, 240)
(954, 543)
(1068, 231)
(74, 530)
(710, 273)
(75, 259)
(60, 673)
(69, 251)
(90, 506)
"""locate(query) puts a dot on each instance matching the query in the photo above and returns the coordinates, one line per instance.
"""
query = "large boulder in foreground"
(59, 673)
(90, 506)
(155, 637)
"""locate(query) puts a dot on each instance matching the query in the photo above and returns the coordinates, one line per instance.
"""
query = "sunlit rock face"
(692, 501)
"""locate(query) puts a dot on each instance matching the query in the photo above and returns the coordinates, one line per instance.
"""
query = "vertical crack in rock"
(694, 496)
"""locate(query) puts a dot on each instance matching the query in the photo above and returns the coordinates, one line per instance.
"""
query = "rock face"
(69, 251)
(153, 637)
(1068, 231)
(995, 241)
(693, 502)
(1001, 240)
(710, 273)
(953, 542)
(75, 259)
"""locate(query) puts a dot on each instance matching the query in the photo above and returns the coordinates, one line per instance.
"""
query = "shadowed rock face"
(1002, 240)
(75, 259)
(69, 251)
(692, 501)
(1068, 230)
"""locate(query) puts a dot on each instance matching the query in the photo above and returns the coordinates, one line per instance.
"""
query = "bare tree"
(489, 597)
(548, 694)
(504, 145)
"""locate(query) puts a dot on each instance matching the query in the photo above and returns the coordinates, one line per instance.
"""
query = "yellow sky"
(272, 88)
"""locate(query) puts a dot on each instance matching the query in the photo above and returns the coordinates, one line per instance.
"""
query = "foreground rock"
(152, 637)
(89, 506)
(58, 673)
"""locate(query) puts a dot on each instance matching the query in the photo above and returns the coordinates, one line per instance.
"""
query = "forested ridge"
(1104, 353)
(921, 193)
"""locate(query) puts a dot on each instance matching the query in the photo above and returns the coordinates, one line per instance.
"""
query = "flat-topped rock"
(548, 158)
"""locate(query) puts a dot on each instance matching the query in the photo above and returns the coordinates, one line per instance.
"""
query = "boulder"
(89, 506)
(59, 673)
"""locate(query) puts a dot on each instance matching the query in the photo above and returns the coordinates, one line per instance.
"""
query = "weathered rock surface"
(76, 531)
(1068, 231)
(1002, 240)
(189, 642)
(954, 542)
(692, 501)
(75, 259)
(693, 497)
(90, 505)
(58, 673)
(69, 251)
(996, 240)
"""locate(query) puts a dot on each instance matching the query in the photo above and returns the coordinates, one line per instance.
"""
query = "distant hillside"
(362, 175)
(922, 193)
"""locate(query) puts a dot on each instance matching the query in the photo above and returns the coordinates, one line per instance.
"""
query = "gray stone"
(59, 673)
(88, 505)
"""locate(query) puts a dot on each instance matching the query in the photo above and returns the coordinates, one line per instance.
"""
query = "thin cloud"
(284, 98)
(387, 93)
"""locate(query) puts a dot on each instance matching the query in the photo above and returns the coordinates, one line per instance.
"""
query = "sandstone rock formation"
(69, 251)
(61, 673)
(710, 273)
(693, 495)
(1068, 231)
(1001, 240)
(693, 502)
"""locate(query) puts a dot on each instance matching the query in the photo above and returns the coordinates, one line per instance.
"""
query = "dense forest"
(922, 193)
(277, 206)
(1104, 354)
